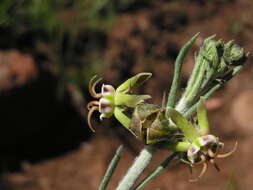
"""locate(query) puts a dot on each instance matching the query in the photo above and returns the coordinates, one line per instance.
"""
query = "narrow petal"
(121, 117)
(181, 122)
(129, 100)
(133, 82)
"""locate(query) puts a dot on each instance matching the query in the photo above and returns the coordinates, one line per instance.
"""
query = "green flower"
(200, 146)
(115, 102)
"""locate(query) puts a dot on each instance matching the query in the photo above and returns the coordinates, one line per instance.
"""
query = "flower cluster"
(168, 127)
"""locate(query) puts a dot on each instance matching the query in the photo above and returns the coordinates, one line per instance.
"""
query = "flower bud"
(234, 54)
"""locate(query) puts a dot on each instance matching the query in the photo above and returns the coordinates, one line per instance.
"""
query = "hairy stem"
(157, 171)
(140, 163)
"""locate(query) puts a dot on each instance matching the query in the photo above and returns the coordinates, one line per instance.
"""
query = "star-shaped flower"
(115, 102)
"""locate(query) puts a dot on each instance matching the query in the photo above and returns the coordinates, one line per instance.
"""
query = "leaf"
(177, 71)
(181, 122)
(133, 82)
(111, 168)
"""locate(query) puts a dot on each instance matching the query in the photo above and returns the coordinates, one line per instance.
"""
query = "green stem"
(112, 166)
(177, 72)
(140, 163)
(156, 172)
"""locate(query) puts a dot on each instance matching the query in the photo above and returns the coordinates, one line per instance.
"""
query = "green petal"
(181, 122)
(129, 100)
(202, 118)
(133, 82)
(121, 117)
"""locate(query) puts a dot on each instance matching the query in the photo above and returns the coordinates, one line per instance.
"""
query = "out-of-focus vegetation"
(232, 183)
(72, 35)
(61, 31)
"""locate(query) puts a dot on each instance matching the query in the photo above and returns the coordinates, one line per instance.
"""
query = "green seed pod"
(150, 125)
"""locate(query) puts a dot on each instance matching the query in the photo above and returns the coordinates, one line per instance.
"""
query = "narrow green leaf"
(133, 82)
(181, 122)
(156, 172)
(177, 71)
(202, 118)
(111, 168)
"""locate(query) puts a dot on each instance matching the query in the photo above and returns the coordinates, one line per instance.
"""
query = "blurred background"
(50, 49)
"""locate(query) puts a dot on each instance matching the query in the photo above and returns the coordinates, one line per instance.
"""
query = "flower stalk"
(140, 163)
